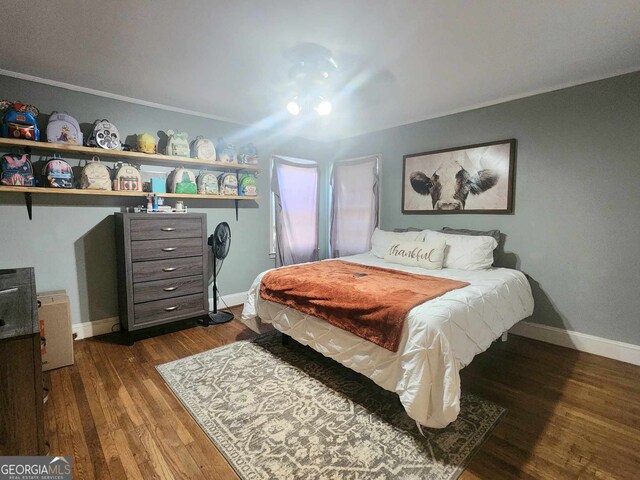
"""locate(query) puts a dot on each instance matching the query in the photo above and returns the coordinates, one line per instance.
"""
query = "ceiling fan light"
(324, 107)
(293, 107)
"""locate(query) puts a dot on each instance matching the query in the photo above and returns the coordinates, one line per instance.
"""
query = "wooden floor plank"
(157, 461)
(128, 460)
(108, 462)
(82, 460)
(570, 414)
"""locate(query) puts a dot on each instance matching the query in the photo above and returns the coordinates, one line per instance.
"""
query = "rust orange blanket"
(370, 302)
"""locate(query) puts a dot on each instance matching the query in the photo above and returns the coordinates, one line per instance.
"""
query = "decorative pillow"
(382, 240)
(473, 233)
(408, 229)
(427, 255)
(465, 252)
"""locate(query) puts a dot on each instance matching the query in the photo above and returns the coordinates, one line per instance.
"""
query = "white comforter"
(440, 336)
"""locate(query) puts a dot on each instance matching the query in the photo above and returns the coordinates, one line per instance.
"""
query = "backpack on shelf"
(203, 148)
(207, 184)
(95, 176)
(228, 184)
(247, 183)
(226, 151)
(248, 154)
(57, 173)
(19, 121)
(127, 178)
(104, 135)
(17, 170)
(63, 128)
(182, 180)
(146, 143)
(177, 143)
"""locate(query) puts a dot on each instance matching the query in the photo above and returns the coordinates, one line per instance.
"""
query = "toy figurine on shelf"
(19, 121)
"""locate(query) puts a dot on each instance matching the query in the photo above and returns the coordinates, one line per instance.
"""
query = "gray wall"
(576, 224)
(574, 231)
(70, 240)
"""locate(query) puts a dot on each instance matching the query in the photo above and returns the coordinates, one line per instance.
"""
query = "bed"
(439, 337)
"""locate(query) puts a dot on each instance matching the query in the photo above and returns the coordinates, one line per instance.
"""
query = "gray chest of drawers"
(162, 268)
(21, 402)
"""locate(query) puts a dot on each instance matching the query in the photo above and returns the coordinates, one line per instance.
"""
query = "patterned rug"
(279, 412)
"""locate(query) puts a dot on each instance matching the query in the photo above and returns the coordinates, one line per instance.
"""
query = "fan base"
(216, 318)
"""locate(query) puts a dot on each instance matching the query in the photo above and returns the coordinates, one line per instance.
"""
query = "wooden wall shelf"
(158, 159)
(82, 151)
(28, 191)
(111, 193)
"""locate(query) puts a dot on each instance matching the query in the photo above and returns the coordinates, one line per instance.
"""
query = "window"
(294, 207)
(354, 205)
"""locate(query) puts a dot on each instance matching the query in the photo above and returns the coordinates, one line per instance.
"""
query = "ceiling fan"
(312, 79)
(317, 85)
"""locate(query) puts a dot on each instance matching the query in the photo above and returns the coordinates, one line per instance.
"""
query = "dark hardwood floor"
(570, 415)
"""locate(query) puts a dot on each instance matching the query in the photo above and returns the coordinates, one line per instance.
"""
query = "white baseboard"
(97, 327)
(624, 352)
(112, 324)
(232, 300)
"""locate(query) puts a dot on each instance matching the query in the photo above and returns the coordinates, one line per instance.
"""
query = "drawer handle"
(167, 229)
(7, 291)
(170, 289)
(170, 309)
(168, 269)
(169, 249)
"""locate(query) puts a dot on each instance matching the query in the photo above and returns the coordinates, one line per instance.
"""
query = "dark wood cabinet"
(162, 268)
(21, 387)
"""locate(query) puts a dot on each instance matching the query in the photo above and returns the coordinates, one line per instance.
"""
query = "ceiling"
(399, 61)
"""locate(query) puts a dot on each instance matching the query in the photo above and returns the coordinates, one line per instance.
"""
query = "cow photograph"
(471, 179)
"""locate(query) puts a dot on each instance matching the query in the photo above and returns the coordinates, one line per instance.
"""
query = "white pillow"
(382, 240)
(427, 255)
(465, 252)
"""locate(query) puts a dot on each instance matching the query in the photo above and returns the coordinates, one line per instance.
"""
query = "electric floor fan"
(220, 242)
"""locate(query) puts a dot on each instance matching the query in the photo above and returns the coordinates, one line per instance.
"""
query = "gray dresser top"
(18, 303)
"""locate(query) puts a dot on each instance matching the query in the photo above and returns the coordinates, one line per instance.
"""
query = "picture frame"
(470, 179)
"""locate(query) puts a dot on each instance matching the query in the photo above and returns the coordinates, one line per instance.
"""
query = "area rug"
(287, 412)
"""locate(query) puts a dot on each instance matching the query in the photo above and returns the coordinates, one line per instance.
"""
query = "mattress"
(440, 337)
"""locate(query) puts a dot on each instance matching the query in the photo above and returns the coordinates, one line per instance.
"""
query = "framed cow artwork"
(471, 179)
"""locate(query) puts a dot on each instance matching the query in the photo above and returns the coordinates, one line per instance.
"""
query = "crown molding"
(321, 139)
(115, 96)
(498, 101)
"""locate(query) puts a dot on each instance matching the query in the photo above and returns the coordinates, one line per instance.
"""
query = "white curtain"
(295, 188)
(354, 205)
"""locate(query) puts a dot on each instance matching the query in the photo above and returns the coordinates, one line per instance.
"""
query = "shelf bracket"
(28, 200)
(236, 202)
